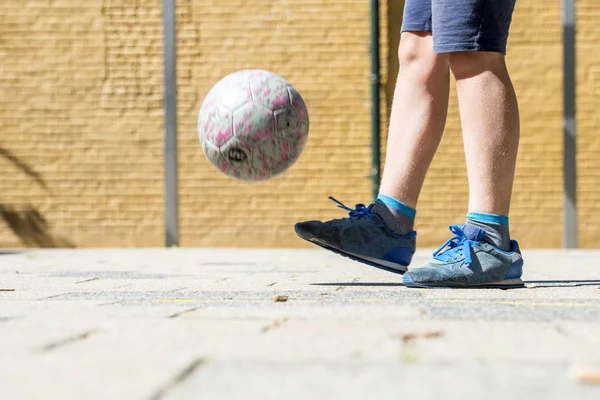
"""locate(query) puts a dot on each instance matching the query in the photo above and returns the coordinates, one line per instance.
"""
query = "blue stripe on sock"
(397, 205)
(489, 218)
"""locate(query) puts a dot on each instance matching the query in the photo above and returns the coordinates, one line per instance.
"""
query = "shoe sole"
(516, 283)
(373, 262)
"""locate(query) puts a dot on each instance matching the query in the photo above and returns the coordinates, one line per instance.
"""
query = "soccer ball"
(253, 125)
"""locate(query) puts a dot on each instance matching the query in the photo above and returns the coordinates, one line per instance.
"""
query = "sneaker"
(466, 261)
(363, 237)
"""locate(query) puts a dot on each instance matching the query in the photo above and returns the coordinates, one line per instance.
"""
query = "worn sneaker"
(363, 236)
(467, 261)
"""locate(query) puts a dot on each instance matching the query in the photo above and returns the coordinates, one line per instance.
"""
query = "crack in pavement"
(66, 341)
(179, 378)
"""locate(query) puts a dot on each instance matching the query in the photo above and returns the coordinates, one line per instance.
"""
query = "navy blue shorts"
(461, 25)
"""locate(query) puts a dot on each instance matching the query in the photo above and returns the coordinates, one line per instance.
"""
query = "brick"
(82, 121)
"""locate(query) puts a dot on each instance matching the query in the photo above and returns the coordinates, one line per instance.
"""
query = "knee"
(416, 56)
(414, 48)
(468, 64)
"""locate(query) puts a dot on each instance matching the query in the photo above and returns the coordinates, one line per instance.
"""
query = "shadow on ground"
(9, 252)
(359, 284)
(564, 283)
(538, 283)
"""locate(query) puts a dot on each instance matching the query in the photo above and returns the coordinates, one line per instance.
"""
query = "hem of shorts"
(416, 28)
(460, 47)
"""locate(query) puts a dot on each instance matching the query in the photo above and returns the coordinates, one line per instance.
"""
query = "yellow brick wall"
(327, 58)
(81, 121)
(588, 120)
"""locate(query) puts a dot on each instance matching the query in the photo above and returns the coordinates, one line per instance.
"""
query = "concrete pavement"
(203, 324)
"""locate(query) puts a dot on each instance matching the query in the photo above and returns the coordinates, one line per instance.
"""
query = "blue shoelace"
(359, 212)
(457, 246)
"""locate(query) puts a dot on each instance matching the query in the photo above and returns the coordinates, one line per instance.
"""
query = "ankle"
(397, 216)
(495, 226)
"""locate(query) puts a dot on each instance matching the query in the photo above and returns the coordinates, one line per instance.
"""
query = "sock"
(495, 227)
(399, 217)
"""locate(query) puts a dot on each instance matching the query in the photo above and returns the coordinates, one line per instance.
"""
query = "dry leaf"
(279, 298)
(274, 325)
(531, 286)
(588, 376)
(424, 335)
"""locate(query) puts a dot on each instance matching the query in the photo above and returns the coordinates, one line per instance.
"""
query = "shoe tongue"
(473, 232)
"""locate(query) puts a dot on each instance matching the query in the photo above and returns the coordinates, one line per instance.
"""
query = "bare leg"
(418, 117)
(490, 123)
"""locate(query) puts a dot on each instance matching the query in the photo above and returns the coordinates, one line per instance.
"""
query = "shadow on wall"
(26, 222)
(26, 169)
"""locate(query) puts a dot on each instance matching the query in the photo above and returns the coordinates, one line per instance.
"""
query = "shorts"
(461, 25)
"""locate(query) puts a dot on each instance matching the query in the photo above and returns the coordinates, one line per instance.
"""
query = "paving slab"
(202, 323)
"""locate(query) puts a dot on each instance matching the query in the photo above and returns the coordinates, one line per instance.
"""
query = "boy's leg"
(417, 123)
(490, 124)
(382, 234)
(474, 34)
(419, 111)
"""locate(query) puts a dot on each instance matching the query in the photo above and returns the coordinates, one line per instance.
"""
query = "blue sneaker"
(363, 237)
(466, 261)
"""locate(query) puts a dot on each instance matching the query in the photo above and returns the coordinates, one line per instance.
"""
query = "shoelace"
(359, 212)
(455, 247)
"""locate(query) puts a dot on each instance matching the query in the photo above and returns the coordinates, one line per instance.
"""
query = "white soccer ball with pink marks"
(253, 125)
